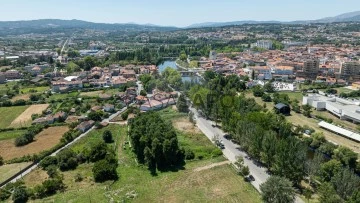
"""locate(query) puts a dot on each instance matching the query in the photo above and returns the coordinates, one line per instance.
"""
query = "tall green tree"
(346, 182)
(181, 104)
(327, 194)
(277, 190)
(329, 169)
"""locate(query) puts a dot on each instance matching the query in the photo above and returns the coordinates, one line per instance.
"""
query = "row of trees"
(272, 141)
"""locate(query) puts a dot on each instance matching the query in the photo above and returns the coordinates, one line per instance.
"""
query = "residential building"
(85, 126)
(12, 74)
(350, 71)
(264, 44)
(109, 108)
(284, 70)
(261, 72)
(64, 86)
(310, 69)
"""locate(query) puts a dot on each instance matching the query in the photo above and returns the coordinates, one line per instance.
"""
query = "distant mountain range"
(16, 27)
(346, 17)
(56, 23)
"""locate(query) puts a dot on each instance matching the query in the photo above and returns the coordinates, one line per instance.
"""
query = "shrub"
(125, 115)
(67, 160)
(20, 195)
(189, 154)
(1, 161)
(4, 194)
(52, 171)
(78, 177)
(103, 171)
(48, 161)
(53, 185)
(107, 136)
(98, 151)
(216, 152)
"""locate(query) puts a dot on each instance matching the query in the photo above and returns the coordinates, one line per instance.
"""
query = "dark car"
(251, 178)
(227, 136)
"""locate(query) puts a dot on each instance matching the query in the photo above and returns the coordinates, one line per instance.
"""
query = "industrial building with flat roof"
(342, 108)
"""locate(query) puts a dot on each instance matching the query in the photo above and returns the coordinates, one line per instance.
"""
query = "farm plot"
(45, 140)
(24, 119)
(8, 114)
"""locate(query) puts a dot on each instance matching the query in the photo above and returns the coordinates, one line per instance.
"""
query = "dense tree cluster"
(272, 141)
(155, 142)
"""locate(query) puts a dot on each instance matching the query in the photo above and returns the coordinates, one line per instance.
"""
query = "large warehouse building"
(342, 108)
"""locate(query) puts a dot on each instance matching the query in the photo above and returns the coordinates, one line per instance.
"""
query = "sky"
(179, 13)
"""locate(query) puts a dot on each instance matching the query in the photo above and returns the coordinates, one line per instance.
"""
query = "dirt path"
(211, 166)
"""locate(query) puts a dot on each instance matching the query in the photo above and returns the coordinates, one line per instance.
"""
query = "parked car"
(251, 178)
(227, 136)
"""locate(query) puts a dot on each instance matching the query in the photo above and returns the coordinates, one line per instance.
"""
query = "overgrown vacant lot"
(9, 114)
(6, 171)
(136, 184)
(21, 96)
(24, 119)
(45, 140)
(91, 94)
(218, 184)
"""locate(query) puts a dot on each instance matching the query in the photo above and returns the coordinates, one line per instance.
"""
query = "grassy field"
(295, 95)
(63, 96)
(45, 140)
(26, 90)
(11, 134)
(6, 171)
(5, 87)
(95, 136)
(9, 114)
(136, 184)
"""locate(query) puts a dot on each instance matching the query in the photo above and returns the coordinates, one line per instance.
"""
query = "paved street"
(232, 150)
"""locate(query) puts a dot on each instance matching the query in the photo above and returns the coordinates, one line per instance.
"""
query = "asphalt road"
(232, 150)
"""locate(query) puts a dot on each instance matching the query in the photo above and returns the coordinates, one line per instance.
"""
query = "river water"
(172, 64)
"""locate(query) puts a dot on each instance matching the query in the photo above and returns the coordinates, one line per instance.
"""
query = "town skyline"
(179, 14)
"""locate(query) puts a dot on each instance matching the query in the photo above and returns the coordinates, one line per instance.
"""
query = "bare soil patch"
(45, 140)
(184, 124)
(36, 177)
(24, 119)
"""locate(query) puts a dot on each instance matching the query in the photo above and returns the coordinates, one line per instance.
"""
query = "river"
(172, 64)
